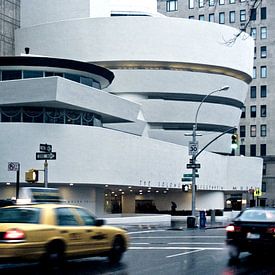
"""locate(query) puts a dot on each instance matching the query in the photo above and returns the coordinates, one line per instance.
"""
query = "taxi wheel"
(54, 256)
(117, 250)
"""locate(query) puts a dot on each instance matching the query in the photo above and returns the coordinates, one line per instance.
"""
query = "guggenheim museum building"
(115, 87)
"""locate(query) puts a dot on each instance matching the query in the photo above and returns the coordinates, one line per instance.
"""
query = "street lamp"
(195, 143)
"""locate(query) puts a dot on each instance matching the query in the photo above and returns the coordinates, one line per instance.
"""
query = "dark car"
(253, 230)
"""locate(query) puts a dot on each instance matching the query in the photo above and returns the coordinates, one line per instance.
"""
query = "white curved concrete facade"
(163, 69)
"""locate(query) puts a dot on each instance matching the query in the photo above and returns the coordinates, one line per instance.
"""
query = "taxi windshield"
(19, 215)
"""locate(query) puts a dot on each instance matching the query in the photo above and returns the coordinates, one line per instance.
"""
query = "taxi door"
(96, 236)
(71, 230)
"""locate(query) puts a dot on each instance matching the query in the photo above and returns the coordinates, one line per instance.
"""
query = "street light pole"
(194, 155)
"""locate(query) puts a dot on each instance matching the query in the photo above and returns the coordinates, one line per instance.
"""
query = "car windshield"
(19, 215)
(258, 215)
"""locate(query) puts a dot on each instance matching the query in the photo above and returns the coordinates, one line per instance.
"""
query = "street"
(159, 251)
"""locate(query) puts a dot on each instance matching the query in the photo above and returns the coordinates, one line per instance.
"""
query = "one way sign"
(44, 156)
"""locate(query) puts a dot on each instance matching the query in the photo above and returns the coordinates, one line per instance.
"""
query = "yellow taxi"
(54, 232)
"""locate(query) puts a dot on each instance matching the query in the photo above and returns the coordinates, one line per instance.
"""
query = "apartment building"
(9, 21)
(254, 17)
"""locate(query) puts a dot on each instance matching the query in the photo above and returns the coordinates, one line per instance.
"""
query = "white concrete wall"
(91, 155)
(127, 39)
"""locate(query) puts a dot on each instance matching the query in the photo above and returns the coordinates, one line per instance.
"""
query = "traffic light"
(31, 175)
(234, 142)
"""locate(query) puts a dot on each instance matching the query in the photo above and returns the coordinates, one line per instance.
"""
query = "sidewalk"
(149, 221)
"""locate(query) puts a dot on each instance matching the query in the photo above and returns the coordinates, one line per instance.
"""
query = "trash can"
(191, 222)
(202, 219)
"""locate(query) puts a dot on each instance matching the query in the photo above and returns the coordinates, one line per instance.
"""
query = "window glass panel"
(242, 15)
(253, 150)
(191, 4)
(254, 73)
(263, 110)
(32, 74)
(263, 33)
(263, 91)
(253, 33)
(172, 5)
(263, 52)
(10, 114)
(253, 92)
(211, 17)
(201, 17)
(263, 13)
(72, 117)
(33, 114)
(87, 218)
(263, 130)
(242, 149)
(243, 112)
(253, 111)
(253, 14)
(65, 217)
(263, 71)
(232, 16)
(232, 1)
(211, 3)
(49, 74)
(10, 75)
(221, 2)
(253, 130)
(86, 81)
(72, 77)
(242, 131)
(53, 115)
(263, 150)
(20, 215)
(221, 18)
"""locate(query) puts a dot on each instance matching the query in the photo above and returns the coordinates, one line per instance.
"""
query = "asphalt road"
(157, 252)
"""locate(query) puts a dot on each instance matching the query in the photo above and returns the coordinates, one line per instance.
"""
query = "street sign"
(13, 166)
(45, 148)
(193, 148)
(190, 175)
(186, 179)
(192, 165)
(257, 192)
(44, 156)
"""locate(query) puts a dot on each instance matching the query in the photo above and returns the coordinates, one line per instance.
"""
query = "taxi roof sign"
(39, 195)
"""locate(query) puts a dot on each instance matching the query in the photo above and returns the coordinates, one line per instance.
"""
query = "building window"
(263, 149)
(263, 34)
(253, 130)
(221, 18)
(254, 73)
(253, 150)
(263, 130)
(253, 111)
(263, 13)
(232, 1)
(172, 5)
(201, 17)
(191, 4)
(253, 14)
(201, 3)
(221, 2)
(263, 72)
(211, 3)
(263, 91)
(255, 52)
(242, 15)
(243, 112)
(242, 150)
(211, 17)
(191, 17)
(242, 131)
(263, 52)
(232, 17)
(263, 110)
(253, 92)
(253, 33)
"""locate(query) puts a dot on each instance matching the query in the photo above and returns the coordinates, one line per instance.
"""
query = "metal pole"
(194, 174)
(194, 134)
(17, 181)
(46, 173)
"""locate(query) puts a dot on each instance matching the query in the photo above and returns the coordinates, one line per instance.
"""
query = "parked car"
(253, 230)
(52, 233)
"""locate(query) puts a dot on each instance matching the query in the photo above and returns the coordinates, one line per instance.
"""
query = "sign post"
(15, 166)
(45, 154)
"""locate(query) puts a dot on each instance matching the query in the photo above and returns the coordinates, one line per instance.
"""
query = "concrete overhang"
(58, 92)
